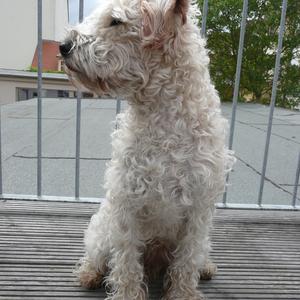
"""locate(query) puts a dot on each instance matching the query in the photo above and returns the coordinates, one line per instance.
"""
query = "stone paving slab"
(59, 119)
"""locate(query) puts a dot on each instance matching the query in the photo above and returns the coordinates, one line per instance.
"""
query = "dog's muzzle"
(66, 48)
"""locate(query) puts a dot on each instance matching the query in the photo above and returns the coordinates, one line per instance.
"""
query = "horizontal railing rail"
(224, 204)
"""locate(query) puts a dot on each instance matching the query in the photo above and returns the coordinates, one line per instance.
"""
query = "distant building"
(18, 51)
(18, 29)
(21, 85)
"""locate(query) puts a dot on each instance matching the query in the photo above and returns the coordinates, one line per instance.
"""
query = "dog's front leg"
(126, 278)
(182, 277)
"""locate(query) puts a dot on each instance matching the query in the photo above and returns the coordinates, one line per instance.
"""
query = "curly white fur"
(169, 158)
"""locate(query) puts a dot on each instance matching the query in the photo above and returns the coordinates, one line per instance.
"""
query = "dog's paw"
(90, 279)
(209, 270)
(87, 275)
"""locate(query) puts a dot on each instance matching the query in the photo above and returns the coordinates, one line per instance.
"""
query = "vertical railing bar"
(118, 110)
(204, 18)
(296, 182)
(237, 82)
(77, 159)
(81, 10)
(78, 122)
(118, 106)
(1, 185)
(273, 99)
(39, 102)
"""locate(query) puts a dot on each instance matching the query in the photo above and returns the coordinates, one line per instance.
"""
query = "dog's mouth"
(68, 67)
(79, 79)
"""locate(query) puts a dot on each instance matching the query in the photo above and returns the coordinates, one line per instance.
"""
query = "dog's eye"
(115, 22)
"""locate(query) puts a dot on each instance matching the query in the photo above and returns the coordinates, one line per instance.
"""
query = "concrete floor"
(19, 149)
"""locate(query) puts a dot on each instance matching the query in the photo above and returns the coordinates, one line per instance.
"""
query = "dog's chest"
(157, 159)
(160, 219)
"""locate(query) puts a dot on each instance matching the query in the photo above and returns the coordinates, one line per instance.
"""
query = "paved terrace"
(19, 149)
(257, 253)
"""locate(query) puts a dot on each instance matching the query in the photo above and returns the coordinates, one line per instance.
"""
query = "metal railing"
(224, 204)
(39, 99)
(260, 204)
(78, 122)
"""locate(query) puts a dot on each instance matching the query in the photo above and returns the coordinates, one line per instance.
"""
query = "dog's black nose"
(66, 48)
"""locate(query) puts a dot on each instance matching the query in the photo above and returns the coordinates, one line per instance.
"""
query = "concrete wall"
(18, 29)
(9, 85)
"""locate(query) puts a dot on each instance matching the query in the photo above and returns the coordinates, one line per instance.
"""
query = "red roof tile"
(50, 52)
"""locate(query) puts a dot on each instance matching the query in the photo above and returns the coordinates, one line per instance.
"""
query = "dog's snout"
(66, 48)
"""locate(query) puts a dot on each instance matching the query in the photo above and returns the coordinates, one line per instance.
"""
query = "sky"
(89, 5)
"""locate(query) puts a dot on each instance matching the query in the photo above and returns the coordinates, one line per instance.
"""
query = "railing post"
(237, 83)
(204, 18)
(294, 201)
(1, 184)
(273, 100)
(78, 122)
(39, 102)
(118, 106)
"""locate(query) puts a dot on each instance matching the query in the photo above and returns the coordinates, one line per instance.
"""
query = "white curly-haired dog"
(169, 158)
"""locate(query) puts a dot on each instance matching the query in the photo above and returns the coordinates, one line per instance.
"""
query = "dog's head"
(114, 50)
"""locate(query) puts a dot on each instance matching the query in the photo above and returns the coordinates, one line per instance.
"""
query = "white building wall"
(61, 19)
(48, 19)
(8, 87)
(18, 29)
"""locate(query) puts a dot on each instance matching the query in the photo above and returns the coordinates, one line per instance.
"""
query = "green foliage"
(34, 69)
(261, 38)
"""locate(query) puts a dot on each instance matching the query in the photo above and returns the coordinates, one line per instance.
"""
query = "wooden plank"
(86, 209)
(257, 253)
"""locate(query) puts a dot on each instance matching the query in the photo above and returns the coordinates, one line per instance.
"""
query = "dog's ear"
(148, 19)
(179, 7)
(158, 20)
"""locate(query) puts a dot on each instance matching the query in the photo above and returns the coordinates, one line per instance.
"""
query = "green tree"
(261, 38)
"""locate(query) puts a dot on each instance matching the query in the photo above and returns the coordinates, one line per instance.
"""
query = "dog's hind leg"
(208, 271)
(92, 268)
(87, 274)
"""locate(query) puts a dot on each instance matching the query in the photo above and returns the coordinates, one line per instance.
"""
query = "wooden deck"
(258, 253)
